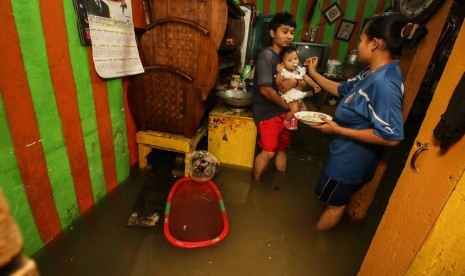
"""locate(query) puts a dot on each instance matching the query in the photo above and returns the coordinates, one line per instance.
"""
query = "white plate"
(311, 118)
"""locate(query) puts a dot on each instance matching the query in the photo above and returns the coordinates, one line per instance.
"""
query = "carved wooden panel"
(210, 14)
(166, 100)
(184, 46)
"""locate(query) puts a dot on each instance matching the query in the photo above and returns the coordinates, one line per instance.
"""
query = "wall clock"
(418, 11)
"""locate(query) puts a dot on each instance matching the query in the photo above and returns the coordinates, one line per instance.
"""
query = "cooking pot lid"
(416, 10)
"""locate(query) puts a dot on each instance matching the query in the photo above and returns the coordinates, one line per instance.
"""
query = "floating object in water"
(202, 165)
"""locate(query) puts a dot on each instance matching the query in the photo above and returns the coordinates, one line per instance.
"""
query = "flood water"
(271, 227)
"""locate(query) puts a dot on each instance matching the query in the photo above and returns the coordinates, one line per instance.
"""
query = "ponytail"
(396, 31)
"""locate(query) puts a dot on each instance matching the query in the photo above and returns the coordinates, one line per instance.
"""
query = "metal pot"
(351, 65)
(352, 57)
(237, 99)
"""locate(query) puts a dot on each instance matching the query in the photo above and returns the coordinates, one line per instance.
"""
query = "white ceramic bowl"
(311, 118)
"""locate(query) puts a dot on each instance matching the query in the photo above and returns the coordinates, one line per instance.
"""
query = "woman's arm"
(328, 85)
(362, 135)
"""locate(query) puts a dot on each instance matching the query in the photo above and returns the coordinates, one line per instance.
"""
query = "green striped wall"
(13, 188)
(29, 26)
(32, 43)
(80, 63)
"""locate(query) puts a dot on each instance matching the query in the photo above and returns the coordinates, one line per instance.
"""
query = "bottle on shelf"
(247, 75)
(248, 71)
(236, 82)
(252, 72)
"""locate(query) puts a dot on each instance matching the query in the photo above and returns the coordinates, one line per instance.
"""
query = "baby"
(289, 69)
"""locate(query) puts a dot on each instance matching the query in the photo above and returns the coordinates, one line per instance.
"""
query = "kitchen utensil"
(237, 99)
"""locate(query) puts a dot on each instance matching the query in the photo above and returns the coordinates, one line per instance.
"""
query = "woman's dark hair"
(282, 18)
(388, 27)
(286, 50)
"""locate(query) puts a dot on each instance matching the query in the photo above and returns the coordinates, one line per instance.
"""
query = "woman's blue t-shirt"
(369, 100)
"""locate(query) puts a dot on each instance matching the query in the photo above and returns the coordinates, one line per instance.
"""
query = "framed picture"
(345, 30)
(333, 13)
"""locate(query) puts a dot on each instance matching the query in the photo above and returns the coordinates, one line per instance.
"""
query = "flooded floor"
(271, 227)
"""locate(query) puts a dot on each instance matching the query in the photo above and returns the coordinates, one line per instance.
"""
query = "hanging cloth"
(451, 127)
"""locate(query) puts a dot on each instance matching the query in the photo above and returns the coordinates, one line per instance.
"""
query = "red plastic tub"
(195, 215)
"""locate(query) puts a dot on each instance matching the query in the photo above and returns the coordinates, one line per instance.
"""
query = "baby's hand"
(279, 67)
(317, 88)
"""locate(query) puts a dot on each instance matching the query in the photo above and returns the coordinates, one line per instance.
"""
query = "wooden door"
(419, 197)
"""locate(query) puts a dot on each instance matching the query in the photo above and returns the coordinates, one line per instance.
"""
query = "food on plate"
(315, 117)
(312, 118)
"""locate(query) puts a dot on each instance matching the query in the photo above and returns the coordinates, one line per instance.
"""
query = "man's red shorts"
(273, 135)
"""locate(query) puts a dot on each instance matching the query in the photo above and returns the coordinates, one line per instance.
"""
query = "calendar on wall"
(108, 27)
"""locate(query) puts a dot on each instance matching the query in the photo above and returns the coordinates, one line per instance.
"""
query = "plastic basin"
(195, 215)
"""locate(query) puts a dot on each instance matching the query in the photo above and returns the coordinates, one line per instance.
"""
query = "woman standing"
(369, 115)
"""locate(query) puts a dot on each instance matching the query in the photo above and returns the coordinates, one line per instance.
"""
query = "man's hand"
(287, 85)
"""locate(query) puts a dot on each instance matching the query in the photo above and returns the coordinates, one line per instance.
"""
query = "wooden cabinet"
(183, 49)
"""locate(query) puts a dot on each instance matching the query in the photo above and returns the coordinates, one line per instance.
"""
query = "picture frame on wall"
(333, 13)
(346, 29)
(82, 22)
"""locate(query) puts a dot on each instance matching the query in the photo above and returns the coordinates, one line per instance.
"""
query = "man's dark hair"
(282, 18)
